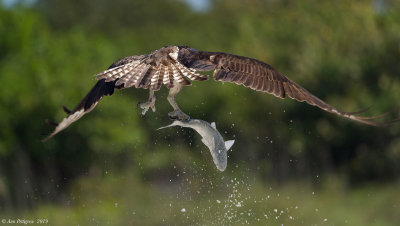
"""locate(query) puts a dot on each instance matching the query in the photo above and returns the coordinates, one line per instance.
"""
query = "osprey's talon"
(147, 70)
(178, 115)
(149, 104)
(144, 110)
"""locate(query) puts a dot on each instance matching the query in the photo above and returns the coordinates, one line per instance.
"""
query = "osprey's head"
(186, 50)
(192, 58)
(166, 52)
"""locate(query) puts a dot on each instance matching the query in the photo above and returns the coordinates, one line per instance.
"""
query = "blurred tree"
(346, 53)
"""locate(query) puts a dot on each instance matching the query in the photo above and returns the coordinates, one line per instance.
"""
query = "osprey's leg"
(149, 104)
(177, 114)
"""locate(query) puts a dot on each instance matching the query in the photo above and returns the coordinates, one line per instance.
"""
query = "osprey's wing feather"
(141, 71)
(102, 88)
(261, 76)
(150, 71)
(127, 71)
(87, 104)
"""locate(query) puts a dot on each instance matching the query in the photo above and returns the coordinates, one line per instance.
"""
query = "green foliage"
(345, 53)
(202, 200)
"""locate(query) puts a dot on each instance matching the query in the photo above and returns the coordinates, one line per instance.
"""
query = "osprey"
(175, 66)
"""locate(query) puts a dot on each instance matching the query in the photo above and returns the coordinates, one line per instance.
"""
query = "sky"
(196, 5)
(199, 5)
(10, 3)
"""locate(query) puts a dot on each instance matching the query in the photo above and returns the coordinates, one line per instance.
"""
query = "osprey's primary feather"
(175, 66)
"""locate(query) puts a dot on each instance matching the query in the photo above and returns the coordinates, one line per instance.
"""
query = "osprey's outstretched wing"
(261, 76)
(141, 71)
(175, 64)
(102, 88)
(151, 71)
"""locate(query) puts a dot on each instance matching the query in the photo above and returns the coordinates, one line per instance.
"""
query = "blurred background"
(291, 164)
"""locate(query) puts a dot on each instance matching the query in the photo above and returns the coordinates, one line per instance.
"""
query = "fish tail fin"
(213, 125)
(229, 144)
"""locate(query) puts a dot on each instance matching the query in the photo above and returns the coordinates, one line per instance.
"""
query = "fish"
(210, 137)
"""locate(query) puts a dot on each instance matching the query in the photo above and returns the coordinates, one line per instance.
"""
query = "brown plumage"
(175, 66)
